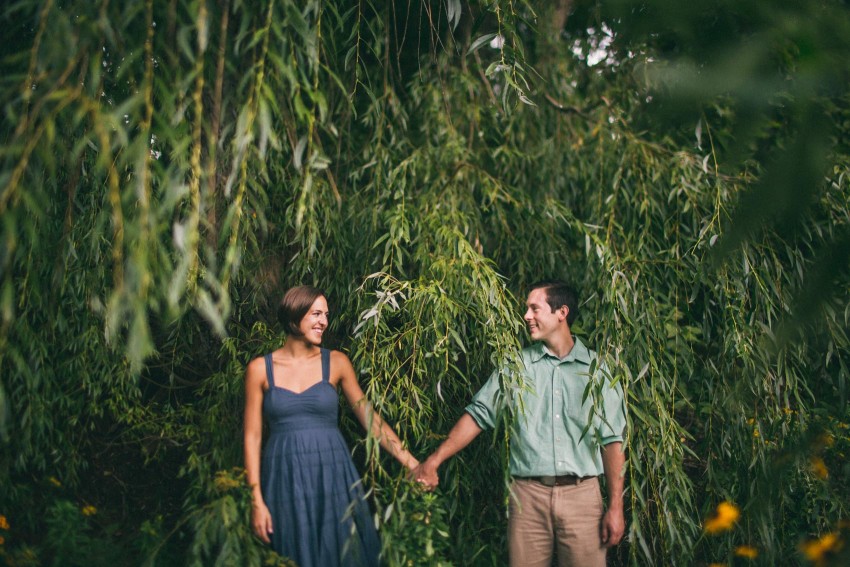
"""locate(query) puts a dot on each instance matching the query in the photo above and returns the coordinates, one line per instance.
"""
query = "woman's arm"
(255, 378)
(366, 414)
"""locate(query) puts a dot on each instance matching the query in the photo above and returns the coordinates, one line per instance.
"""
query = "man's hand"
(426, 474)
(613, 527)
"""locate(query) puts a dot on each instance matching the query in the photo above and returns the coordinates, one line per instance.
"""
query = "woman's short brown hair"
(294, 306)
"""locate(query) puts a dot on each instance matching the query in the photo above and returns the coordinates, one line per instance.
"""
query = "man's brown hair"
(559, 293)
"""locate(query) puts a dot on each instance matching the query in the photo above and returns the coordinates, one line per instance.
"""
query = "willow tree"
(169, 167)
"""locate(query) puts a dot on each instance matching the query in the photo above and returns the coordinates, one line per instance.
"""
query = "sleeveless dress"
(308, 480)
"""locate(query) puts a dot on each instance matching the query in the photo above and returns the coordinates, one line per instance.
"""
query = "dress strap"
(326, 365)
(270, 370)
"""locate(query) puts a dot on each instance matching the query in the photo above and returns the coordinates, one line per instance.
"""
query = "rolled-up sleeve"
(613, 425)
(487, 404)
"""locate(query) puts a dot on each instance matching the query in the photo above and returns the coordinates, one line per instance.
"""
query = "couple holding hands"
(308, 499)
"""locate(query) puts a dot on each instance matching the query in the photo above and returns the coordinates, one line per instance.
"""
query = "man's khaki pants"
(561, 519)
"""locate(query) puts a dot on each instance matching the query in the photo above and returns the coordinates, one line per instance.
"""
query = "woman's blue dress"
(309, 483)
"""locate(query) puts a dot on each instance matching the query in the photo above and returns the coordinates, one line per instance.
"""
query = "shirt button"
(557, 416)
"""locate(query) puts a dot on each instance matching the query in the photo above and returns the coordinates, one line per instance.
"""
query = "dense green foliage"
(168, 168)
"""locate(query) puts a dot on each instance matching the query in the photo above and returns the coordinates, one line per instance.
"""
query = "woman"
(308, 498)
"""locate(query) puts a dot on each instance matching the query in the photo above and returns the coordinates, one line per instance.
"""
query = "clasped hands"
(426, 474)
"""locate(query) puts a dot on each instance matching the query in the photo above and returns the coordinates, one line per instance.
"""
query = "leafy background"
(169, 167)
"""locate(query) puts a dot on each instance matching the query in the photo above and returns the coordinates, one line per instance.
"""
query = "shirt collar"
(579, 352)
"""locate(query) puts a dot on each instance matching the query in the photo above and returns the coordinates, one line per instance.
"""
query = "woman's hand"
(261, 521)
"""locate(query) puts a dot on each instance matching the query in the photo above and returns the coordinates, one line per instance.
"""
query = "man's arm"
(613, 523)
(461, 435)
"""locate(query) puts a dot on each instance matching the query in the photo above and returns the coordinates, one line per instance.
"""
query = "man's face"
(542, 322)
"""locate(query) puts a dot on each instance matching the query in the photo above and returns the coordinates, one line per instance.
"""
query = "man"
(555, 461)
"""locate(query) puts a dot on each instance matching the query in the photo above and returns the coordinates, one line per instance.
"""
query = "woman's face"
(315, 322)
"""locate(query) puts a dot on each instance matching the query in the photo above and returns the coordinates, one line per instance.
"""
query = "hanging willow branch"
(157, 195)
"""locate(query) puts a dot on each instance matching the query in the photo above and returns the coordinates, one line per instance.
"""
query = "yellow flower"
(2, 540)
(819, 468)
(816, 550)
(89, 510)
(747, 551)
(723, 519)
(716, 565)
(825, 440)
(225, 481)
(54, 481)
(4, 523)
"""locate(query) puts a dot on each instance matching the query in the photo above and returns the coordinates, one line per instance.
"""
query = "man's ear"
(564, 311)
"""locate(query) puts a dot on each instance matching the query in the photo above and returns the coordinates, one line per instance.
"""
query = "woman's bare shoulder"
(338, 355)
(256, 369)
(341, 367)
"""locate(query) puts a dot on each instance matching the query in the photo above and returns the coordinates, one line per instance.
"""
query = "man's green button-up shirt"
(549, 435)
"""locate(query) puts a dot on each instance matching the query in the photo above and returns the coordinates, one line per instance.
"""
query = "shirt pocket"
(577, 409)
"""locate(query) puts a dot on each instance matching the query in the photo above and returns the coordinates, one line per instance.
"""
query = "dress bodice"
(314, 408)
